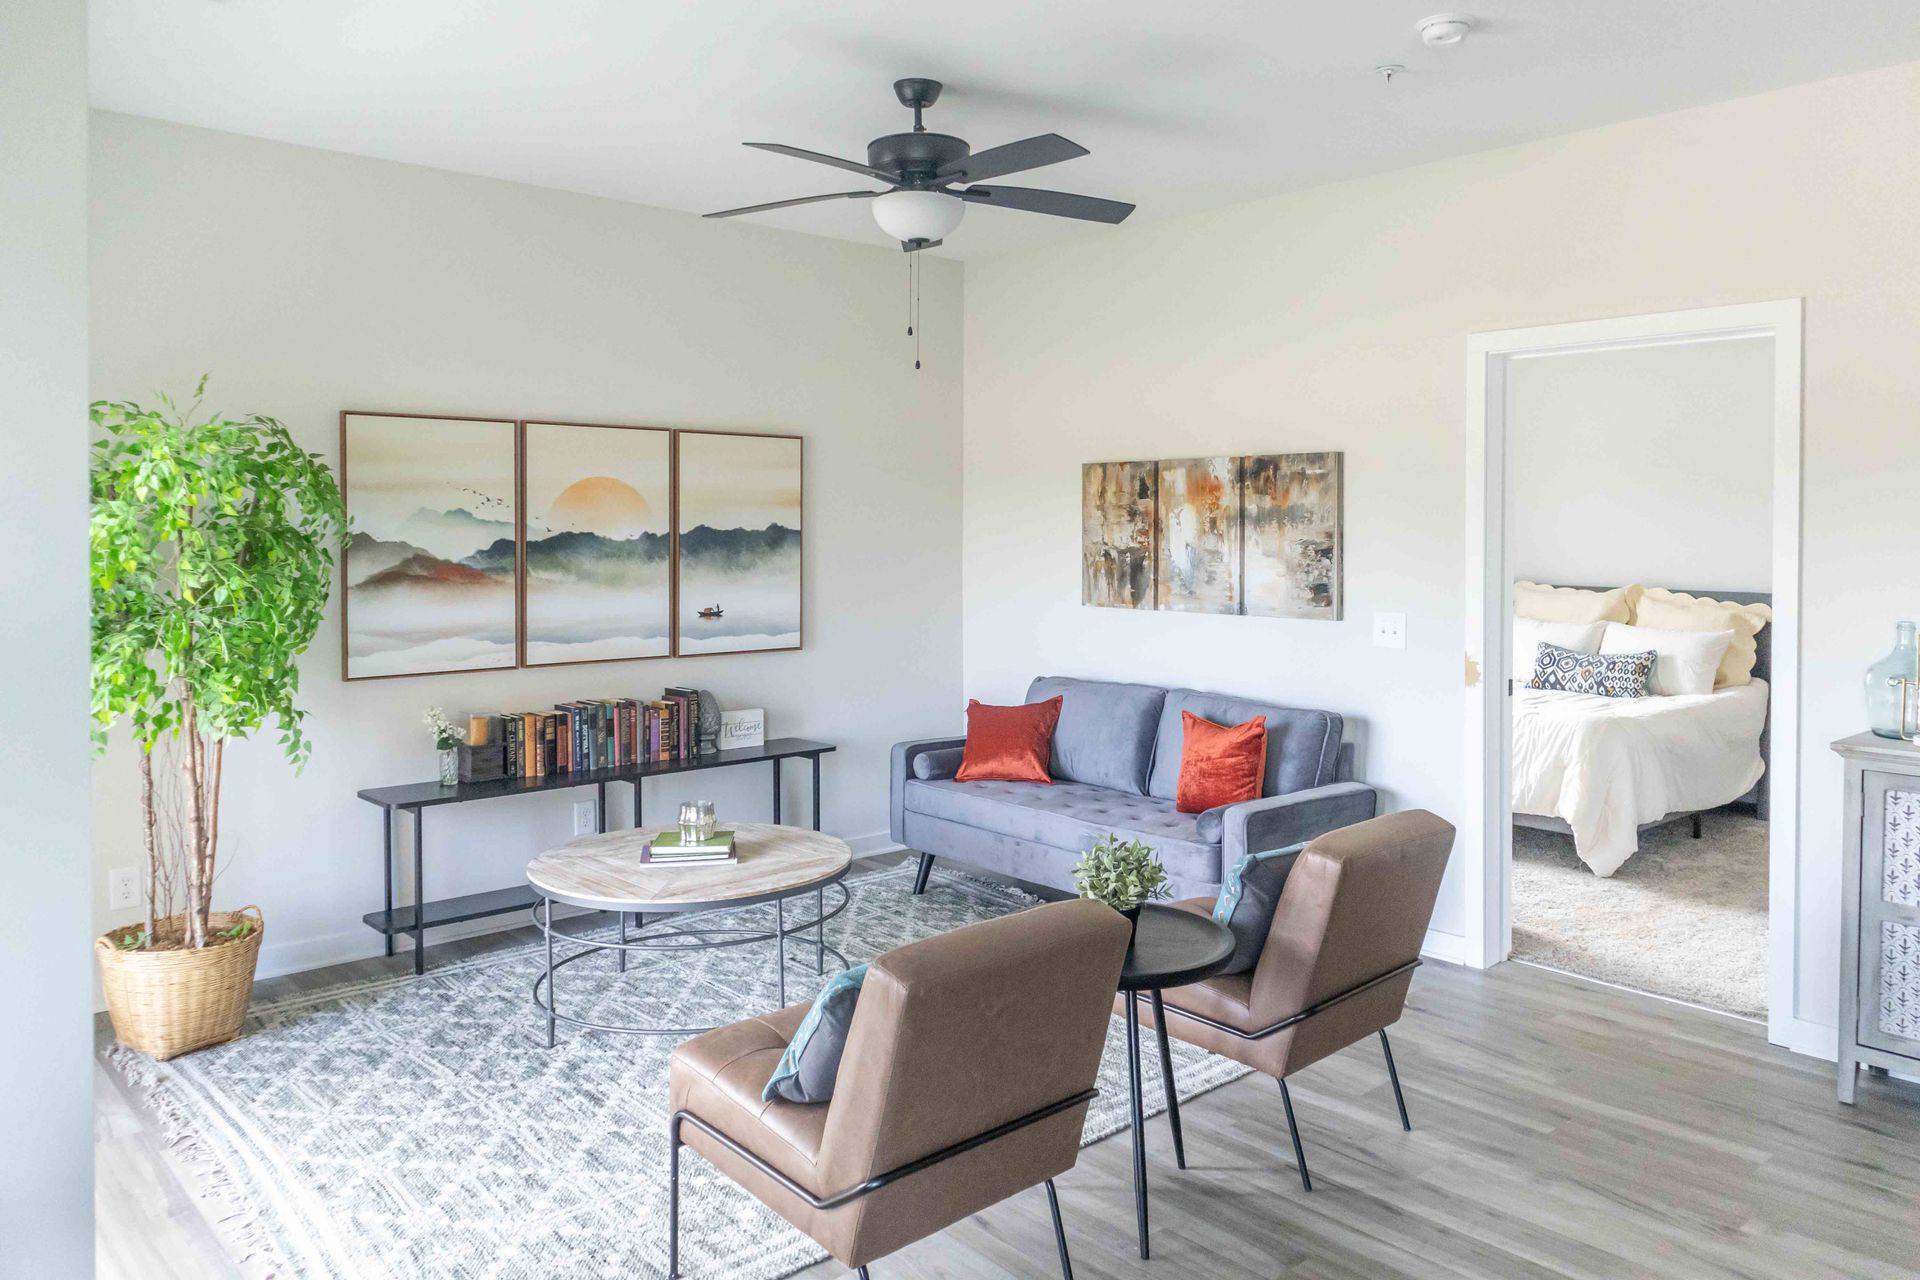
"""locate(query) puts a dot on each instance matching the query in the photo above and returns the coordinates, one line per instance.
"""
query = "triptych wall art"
(490, 543)
(1256, 535)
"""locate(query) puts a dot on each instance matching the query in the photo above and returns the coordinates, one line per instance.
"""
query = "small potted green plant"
(1124, 874)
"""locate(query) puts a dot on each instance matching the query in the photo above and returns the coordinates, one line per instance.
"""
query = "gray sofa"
(1116, 765)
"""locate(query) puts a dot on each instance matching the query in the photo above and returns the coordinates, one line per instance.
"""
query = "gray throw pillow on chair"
(1248, 899)
(807, 1069)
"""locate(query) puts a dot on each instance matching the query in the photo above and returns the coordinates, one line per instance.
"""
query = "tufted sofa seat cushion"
(1071, 816)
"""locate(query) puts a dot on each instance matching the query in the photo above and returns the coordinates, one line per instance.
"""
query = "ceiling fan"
(922, 206)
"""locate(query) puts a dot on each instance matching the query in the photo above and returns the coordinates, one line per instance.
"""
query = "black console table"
(416, 798)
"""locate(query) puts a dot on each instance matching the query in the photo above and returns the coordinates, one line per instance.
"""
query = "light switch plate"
(1390, 630)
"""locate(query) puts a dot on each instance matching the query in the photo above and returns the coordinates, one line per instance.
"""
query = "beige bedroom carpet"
(1683, 918)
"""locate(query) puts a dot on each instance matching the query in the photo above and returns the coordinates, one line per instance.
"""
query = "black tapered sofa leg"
(920, 876)
(1399, 1099)
(1293, 1131)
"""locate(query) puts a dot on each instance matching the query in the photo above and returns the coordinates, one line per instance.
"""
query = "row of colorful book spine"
(591, 735)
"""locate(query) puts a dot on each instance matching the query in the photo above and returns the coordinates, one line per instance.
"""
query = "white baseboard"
(1450, 947)
(297, 955)
(1801, 1036)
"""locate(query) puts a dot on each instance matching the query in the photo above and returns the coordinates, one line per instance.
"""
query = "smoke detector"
(1443, 29)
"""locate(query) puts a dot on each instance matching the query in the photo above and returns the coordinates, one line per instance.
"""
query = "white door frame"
(1487, 833)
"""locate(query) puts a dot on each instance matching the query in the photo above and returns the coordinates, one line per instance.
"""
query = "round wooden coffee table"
(611, 872)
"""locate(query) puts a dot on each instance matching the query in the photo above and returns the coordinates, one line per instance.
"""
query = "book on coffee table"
(675, 858)
(667, 849)
(669, 842)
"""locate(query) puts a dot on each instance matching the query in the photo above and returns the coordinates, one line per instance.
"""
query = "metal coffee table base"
(688, 935)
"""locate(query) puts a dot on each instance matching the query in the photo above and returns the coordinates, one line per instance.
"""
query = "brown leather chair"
(1337, 961)
(968, 1068)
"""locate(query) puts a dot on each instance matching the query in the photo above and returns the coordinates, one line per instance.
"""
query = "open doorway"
(1641, 532)
(1628, 477)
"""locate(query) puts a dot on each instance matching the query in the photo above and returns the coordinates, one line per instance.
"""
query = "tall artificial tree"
(211, 562)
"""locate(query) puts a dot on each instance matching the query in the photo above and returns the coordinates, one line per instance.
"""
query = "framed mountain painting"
(430, 565)
(598, 510)
(738, 571)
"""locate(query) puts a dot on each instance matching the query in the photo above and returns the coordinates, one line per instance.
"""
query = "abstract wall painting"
(430, 567)
(1197, 565)
(1256, 535)
(1117, 542)
(739, 539)
(598, 503)
(1292, 535)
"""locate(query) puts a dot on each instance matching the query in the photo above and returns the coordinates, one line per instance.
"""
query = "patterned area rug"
(419, 1128)
(1683, 918)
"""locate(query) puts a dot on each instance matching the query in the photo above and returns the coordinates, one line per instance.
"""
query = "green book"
(668, 844)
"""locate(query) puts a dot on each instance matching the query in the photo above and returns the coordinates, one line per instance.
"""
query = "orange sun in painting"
(600, 504)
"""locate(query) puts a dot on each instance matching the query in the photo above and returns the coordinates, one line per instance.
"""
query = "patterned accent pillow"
(1611, 675)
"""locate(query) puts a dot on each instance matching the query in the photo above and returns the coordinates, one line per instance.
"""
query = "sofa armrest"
(904, 754)
(1275, 822)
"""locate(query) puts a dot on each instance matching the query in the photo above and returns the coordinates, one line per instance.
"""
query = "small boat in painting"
(711, 611)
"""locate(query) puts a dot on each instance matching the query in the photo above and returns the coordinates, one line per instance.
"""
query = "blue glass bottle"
(1893, 708)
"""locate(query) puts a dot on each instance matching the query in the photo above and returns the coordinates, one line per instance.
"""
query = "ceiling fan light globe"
(918, 215)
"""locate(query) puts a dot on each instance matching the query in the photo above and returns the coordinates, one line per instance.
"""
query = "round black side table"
(1171, 948)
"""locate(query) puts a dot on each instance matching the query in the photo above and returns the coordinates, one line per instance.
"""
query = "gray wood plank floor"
(1560, 1129)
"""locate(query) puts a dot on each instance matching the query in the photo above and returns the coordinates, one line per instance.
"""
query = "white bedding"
(1605, 765)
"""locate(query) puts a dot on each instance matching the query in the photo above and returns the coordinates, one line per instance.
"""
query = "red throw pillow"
(1220, 765)
(1009, 744)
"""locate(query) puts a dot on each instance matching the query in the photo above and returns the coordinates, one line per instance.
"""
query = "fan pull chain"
(909, 295)
(918, 275)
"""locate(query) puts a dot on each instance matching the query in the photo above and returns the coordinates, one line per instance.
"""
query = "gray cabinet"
(1880, 908)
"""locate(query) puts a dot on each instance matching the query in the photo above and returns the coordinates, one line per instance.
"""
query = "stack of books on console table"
(668, 849)
(581, 737)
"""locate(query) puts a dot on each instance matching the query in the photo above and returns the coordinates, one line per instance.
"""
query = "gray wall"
(1646, 464)
(46, 1181)
(309, 282)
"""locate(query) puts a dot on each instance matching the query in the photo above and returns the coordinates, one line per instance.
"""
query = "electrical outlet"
(123, 888)
(583, 818)
(1390, 630)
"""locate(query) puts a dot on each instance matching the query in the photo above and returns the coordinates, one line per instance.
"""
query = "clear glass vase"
(450, 767)
(1893, 688)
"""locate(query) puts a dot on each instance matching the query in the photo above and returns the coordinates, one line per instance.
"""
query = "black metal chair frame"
(875, 1183)
(1286, 1096)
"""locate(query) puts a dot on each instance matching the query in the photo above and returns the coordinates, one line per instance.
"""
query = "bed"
(1604, 770)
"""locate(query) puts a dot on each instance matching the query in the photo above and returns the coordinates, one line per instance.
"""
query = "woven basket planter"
(166, 1003)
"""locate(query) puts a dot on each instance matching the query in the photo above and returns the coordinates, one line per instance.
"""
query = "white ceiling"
(1185, 105)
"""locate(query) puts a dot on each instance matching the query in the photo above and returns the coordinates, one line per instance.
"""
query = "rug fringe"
(234, 1217)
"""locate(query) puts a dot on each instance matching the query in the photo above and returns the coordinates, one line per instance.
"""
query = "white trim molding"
(1486, 837)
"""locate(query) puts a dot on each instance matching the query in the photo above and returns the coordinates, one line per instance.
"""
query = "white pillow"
(1688, 659)
(1529, 635)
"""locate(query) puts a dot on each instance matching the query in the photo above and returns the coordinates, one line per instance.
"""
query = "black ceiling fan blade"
(852, 166)
(1060, 204)
(1028, 153)
(788, 204)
